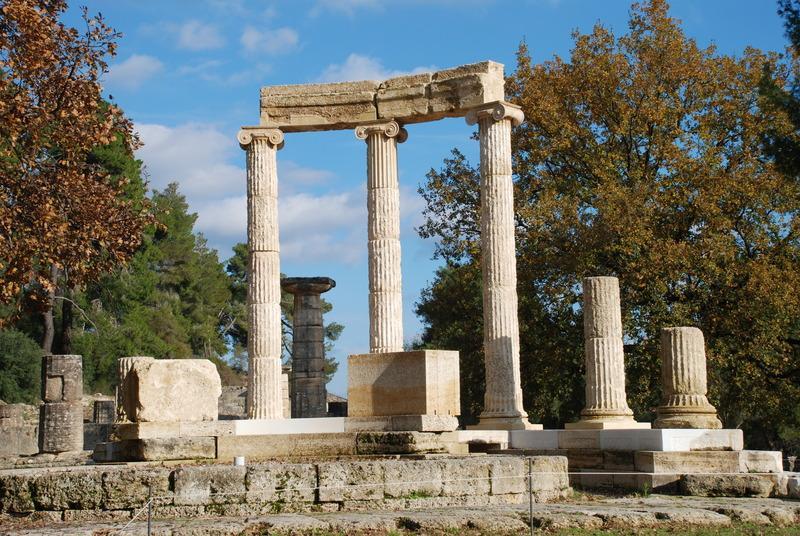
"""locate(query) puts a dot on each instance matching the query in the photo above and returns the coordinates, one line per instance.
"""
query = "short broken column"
(684, 381)
(383, 235)
(104, 411)
(503, 408)
(264, 338)
(124, 365)
(307, 386)
(606, 402)
(61, 415)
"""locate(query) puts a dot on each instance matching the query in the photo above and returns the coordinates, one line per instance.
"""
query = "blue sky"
(188, 73)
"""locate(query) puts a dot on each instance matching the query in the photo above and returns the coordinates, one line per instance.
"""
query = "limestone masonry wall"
(116, 491)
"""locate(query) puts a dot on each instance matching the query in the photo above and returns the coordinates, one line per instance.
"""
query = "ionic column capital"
(498, 111)
(390, 129)
(273, 135)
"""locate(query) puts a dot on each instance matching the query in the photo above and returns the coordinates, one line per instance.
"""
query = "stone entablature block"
(172, 390)
(422, 382)
(408, 99)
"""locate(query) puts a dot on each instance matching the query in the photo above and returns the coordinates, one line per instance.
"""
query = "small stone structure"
(378, 111)
(606, 403)
(172, 390)
(18, 436)
(683, 376)
(61, 415)
(416, 390)
(307, 383)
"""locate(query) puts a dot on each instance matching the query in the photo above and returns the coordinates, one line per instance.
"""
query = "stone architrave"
(124, 365)
(307, 384)
(61, 415)
(503, 399)
(264, 288)
(383, 234)
(683, 376)
(606, 403)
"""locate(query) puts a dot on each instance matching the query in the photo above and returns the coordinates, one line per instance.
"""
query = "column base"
(504, 423)
(687, 417)
(607, 424)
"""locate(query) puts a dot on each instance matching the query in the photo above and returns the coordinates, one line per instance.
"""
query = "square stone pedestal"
(418, 383)
(504, 423)
(402, 423)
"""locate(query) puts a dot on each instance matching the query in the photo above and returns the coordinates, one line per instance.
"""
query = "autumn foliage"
(62, 218)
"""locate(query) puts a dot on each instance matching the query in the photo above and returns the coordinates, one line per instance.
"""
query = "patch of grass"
(417, 494)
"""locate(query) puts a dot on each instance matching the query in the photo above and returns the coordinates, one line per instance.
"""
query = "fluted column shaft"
(684, 381)
(503, 398)
(383, 224)
(605, 359)
(264, 289)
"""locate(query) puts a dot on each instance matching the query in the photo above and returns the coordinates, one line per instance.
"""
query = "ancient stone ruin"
(61, 415)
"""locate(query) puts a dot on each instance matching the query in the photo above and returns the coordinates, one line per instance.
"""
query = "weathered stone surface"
(422, 382)
(340, 481)
(62, 378)
(376, 443)
(508, 475)
(281, 482)
(172, 390)
(129, 487)
(176, 448)
(124, 365)
(72, 489)
(210, 484)
(408, 99)
(687, 462)
(462, 477)
(163, 430)
(760, 461)
(262, 447)
(683, 376)
(412, 423)
(94, 433)
(61, 427)
(18, 437)
(104, 411)
(413, 478)
(730, 485)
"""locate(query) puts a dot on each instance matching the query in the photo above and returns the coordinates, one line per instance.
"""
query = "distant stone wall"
(114, 492)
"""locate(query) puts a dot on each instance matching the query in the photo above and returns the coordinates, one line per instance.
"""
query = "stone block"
(423, 382)
(53, 389)
(465, 476)
(263, 447)
(94, 433)
(61, 427)
(15, 492)
(618, 460)
(376, 443)
(104, 411)
(585, 458)
(534, 439)
(729, 485)
(18, 438)
(343, 481)
(404, 96)
(62, 378)
(413, 478)
(281, 482)
(172, 390)
(687, 462)
(129, 486)
(550, 475)
(508, 474)
(399, 423)
(210, 484)
(163, 430)
(175, 448)
(579, 439)
(760, 461)
(68, 489)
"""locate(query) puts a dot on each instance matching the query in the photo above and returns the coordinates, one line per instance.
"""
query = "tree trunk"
(65, 341)
(47, 315)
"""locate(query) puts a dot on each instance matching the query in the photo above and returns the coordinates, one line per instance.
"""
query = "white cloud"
(292, 173)
(196, 35)
(360, 67)
(133, 72)
(195, 155)
(277, 41)
(212, 71)
(348, 7)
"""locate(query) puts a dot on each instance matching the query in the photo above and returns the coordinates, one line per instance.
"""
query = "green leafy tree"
(20, 363)
(641, 157)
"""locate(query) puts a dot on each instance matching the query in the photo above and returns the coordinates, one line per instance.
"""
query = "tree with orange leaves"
(63, 219)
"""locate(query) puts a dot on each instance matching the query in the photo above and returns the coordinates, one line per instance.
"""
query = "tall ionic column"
(683, 376)
(606, 403)
(503, 399)
(383, 221)
(264, 275)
